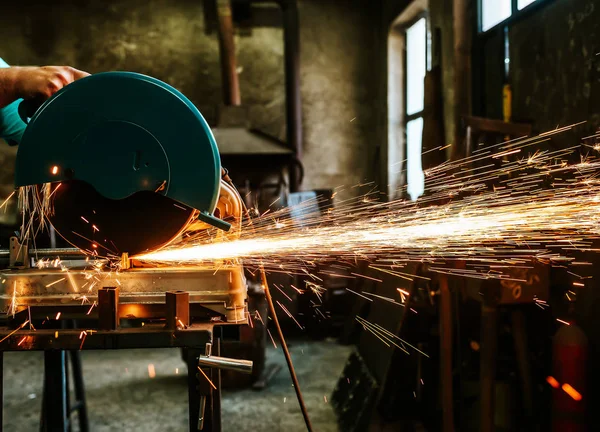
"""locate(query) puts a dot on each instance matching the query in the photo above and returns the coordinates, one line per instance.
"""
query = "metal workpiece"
(48, 252)
(243, 366)
(235, 309)
(177, 305)
(222, 291)
(17, 254)
(108, 308)
(20, 255)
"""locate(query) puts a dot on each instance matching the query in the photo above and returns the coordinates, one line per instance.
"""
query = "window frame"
(515, 14)
(480, 38)
(407, 118)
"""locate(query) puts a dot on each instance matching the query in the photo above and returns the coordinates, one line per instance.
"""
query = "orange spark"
(91, 307)
(55, 282)
(207, 378)
(571, 392)
(552, 381)
(14, 331)
(7, 200)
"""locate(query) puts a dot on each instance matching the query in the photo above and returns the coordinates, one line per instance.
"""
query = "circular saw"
(123, 163)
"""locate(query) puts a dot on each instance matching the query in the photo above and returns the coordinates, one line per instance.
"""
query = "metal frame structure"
(162, 307)
(176, 331)
(407, 118)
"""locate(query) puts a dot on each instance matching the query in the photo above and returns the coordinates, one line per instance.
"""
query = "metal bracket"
(18, 254)
(214, 221)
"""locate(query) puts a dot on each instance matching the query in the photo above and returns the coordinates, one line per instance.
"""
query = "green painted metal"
(123, 132)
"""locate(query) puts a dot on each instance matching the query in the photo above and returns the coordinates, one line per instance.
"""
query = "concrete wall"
(340, 54)
(340, 66)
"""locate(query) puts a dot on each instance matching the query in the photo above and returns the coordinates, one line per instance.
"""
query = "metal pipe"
(230, 80)
(446, 356)
(462, 73)
(47, 252)
(244, 366)
(487, 366)
(293, 100)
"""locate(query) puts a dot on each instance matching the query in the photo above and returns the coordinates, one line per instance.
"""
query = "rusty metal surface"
(108, 308)
(223, 290)
(177, 309)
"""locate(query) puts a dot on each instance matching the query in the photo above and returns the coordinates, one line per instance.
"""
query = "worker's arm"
(18, 83)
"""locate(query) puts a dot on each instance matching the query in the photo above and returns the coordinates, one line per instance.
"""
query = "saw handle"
(28, 107)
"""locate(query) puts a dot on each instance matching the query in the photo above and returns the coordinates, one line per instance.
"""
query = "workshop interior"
(302, 215)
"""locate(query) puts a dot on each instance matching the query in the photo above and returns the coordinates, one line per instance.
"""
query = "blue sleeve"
(11, 125)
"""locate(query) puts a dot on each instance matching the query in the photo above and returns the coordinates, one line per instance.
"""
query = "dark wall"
(555, 66)
(555, 79)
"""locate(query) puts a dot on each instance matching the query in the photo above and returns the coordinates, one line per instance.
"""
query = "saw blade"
(145, 221)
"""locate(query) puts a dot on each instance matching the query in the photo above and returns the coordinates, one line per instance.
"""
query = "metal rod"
(293, 101)
(446, 354)
(230, 84)
(462, 74)
(487, 367)
(54, 252)
(286, 352)
(244, 366)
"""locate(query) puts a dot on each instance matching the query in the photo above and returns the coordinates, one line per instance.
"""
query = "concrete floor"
(122, 397)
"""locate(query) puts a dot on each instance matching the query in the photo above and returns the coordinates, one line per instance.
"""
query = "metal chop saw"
(123, 164)
(135, 160)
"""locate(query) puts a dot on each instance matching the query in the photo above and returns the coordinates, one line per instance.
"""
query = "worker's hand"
(42, 82)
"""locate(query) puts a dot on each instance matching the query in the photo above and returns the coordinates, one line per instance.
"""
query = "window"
(408, 62)
(524, 3)
(494, 12)
(416, 67)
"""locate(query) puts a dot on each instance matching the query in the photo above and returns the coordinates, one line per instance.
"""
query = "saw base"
(141, 290)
